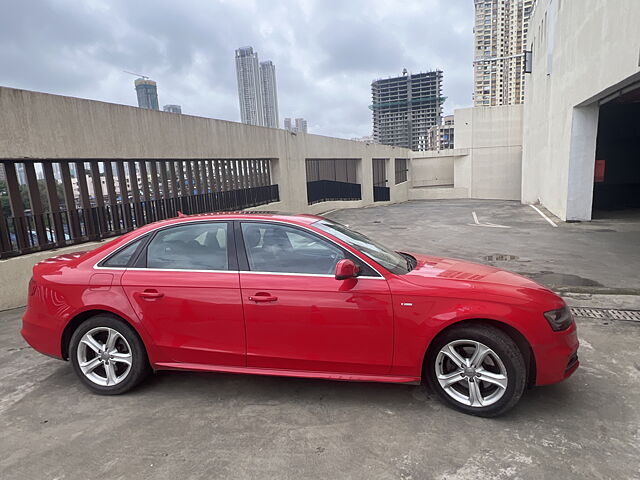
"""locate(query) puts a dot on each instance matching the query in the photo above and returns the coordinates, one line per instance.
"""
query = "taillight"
(32, 286)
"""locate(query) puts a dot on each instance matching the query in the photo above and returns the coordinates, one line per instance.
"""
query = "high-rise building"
(405, 107)
(299, 125)
(501, 28)
(249, 86)
(257, 89)
(172, 108)
(269, 94)
(147, 91)
(440, 137)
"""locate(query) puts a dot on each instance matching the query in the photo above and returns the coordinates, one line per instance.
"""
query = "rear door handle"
(151, 294)
(263, 297)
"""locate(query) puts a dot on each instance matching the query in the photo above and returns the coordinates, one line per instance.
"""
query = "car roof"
(304, 219)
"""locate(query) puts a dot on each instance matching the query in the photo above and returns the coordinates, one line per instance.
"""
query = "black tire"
(131, 346)
(507, 352)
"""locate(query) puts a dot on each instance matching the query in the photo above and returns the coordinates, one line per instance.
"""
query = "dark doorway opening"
(617, 173)
(381, 192)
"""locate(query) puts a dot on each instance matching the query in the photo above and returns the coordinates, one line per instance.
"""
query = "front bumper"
(556, 360)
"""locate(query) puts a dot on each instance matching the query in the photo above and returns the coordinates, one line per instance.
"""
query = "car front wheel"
(108, 355)
(477, 369)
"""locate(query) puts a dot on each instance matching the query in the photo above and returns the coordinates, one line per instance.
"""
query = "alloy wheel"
(471, 373)
(104, 356)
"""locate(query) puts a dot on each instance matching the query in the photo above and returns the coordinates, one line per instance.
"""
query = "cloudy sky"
(326, 52)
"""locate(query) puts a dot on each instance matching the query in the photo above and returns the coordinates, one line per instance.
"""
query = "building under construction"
(405, 107)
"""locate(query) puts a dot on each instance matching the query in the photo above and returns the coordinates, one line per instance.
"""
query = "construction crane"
(137, 75)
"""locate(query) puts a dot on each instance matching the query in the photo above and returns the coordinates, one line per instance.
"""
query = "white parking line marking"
(553, 224)
(487, 224)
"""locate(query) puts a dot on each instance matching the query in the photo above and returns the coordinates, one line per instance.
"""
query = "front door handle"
(151, 294)
(263, 297)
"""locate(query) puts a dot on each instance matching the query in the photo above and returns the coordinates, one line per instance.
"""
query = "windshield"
(392, 261)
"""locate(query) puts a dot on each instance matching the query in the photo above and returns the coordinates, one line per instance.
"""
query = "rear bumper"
(40, 334)
(558, 359)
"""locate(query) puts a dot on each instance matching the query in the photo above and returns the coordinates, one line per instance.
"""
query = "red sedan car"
(297, 296)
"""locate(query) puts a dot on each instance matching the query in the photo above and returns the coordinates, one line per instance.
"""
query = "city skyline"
(326, 53)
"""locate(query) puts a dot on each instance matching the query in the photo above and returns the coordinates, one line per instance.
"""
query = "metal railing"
(48, 204)
(325, 190)
(401, 170)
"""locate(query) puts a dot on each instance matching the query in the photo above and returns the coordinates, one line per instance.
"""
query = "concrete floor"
(183, 425)
(598, 256)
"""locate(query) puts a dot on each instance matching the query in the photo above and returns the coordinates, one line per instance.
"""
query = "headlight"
(559, 319)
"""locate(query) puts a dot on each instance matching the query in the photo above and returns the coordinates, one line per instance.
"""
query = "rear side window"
(197, 246)
(122, 257)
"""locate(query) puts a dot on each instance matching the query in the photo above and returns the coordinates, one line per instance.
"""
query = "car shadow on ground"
(203, 388)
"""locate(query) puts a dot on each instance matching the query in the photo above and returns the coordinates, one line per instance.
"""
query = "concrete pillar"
(582, 155)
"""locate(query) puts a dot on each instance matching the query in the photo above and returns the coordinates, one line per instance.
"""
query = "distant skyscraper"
(405, 107)
(501, 28)
(269, 94)
(172, 108)
(147, 91)
(299, 125)
(249, 86)
(257, 89)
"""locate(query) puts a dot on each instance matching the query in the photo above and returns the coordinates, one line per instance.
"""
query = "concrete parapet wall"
(38, 126)
(35, 126)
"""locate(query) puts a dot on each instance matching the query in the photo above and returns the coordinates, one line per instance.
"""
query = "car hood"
(479, 278)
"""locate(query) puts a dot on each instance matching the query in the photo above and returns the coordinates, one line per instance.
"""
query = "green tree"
(24, 196)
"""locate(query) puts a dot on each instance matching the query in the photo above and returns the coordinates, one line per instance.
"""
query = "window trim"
(243, 261)
(132, 259)
(133, 263)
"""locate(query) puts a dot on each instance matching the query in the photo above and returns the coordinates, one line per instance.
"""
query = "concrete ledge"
(16, 272)
(438, 193)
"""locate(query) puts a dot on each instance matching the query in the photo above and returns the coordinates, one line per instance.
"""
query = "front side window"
(279, 248)
(196, 246)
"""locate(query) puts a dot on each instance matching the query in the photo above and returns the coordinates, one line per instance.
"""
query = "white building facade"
(582, 108)
(249, 86)
(269, 94)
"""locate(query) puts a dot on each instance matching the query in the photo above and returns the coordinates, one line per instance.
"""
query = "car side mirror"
(345, 268)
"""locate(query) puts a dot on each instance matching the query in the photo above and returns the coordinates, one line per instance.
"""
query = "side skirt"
(289, 373)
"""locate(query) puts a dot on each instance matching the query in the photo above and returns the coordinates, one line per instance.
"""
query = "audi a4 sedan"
(298, 296)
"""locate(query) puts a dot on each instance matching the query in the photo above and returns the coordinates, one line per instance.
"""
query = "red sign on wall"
(598, 174)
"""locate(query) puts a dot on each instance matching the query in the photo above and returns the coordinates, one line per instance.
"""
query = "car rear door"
(298, 316)
(185, 289)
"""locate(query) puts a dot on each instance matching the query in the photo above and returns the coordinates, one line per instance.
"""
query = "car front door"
(185, 289)
(298, 316)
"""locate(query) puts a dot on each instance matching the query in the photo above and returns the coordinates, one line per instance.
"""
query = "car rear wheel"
(477, 369)
(107, 355)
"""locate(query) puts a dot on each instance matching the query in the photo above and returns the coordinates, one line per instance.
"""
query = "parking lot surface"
(598, 256)
(193, 425)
